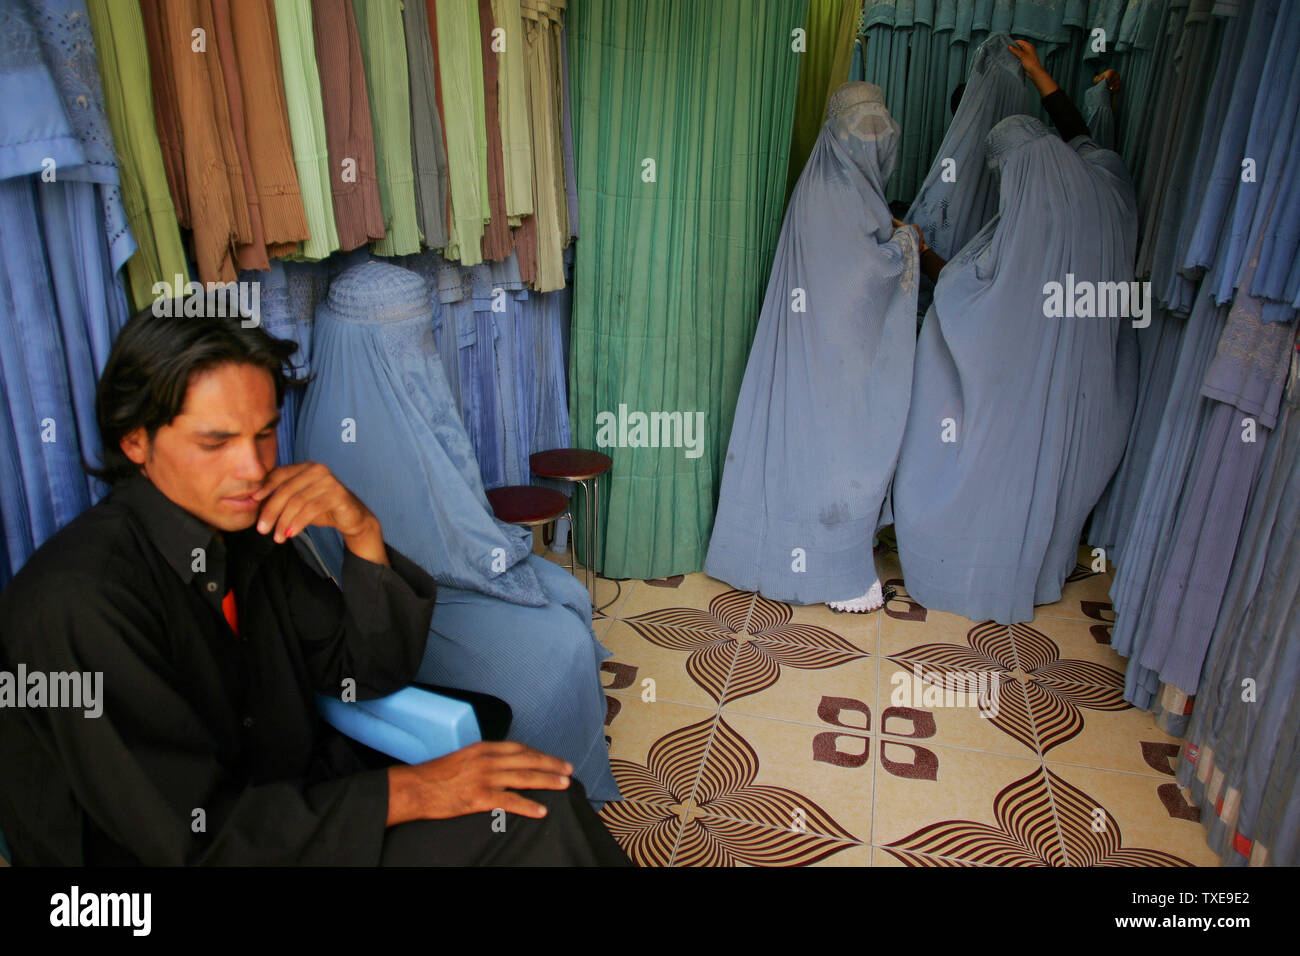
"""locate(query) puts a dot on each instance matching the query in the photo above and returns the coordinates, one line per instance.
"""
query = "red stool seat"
(527, 504)
(583, 467)
(569, 464)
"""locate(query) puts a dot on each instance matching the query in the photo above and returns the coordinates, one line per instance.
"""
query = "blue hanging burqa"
(960, 194)
(64, 239)
(824, 399)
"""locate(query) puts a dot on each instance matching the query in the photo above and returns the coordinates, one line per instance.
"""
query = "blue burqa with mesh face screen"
(508, 623)
(824, 399)
(960, 194)
(1017, 419)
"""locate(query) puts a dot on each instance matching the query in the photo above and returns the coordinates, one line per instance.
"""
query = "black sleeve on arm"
(932, 264)
(1065, 115)
(143, 767)
(374, 632)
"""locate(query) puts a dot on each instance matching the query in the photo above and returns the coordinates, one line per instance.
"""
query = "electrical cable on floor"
(548, 535)
(618, 585)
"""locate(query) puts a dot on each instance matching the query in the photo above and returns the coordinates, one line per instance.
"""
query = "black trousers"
(570, 834)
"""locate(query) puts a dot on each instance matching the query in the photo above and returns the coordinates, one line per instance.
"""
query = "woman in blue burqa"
(380, 415)
(824, 399)
(1019, 418)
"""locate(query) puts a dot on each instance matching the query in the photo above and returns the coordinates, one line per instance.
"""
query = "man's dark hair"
(152, 363)
(955, 100)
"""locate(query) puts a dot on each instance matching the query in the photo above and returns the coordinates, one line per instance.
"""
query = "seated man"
(183, 589)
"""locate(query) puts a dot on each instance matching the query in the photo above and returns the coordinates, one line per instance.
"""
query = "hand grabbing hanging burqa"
(959, 194)
(824, 400)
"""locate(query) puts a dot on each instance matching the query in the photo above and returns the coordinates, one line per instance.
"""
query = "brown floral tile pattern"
(1159, 755)
(1080, 572)
(1102, 611)
(1058, 689)
(760, 641)
(1092, 835)
(1026, 833)
(663, 801)
(670, 582)
(900, 605)
(904, 723)
(1175, 804)
(924, 860)
(691, 796)
(1048, 713)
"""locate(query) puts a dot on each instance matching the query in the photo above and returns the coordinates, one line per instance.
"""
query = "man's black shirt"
(209, 748)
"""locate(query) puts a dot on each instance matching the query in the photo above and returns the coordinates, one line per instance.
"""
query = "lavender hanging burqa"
(1241, 760)
(1018, 419)
(824, 399)
(63, 239)
(1099, 115)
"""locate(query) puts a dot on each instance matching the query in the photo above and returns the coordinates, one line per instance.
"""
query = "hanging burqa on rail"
(960, 194)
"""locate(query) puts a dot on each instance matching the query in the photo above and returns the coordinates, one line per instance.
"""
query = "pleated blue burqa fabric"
(1186, 520)
(824, 399)
(1018, 420)
(1099, 115)
(1158, 348)
(1244, 383)
(1242, 754)
(508, 623)
(1175, 277)
(63, 239)
(290, 293)
(960, 194)
(1155, 508)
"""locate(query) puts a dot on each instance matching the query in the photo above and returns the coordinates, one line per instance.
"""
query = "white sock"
(872, 600)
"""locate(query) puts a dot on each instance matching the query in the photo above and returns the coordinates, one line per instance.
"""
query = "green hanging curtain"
(829, 31)
(697, 96)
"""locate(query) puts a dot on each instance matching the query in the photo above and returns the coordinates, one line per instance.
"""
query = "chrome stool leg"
(595, 516)
(588, 573)
(572, 549)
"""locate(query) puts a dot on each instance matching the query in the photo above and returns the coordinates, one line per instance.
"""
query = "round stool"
(583, 467)
(529, 506)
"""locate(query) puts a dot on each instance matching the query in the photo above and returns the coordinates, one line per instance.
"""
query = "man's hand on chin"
(307, 493)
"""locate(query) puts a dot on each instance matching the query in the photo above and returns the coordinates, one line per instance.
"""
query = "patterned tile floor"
(748, 732)
(744, 731)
